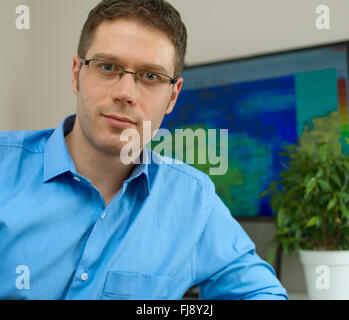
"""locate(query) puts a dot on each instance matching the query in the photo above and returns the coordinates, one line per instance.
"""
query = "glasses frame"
(86, 62)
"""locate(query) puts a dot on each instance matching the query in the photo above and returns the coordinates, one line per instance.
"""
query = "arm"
(226, 265)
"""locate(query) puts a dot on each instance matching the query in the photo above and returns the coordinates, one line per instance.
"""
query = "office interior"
(37, 93)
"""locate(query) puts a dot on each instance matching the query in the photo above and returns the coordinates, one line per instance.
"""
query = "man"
(76, 222)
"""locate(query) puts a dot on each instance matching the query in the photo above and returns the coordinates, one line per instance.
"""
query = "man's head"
(139, 35)
(158, 14)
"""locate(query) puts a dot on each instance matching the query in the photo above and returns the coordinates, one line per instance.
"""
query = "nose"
(125, 91)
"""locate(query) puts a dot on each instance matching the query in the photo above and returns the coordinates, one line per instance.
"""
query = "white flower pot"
(326, 274)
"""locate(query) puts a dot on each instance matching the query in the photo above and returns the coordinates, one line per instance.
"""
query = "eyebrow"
(147, 66)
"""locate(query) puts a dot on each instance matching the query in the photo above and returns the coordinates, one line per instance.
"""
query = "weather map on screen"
(265, 102)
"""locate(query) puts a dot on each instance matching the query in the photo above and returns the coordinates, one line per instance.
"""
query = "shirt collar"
(57, 159)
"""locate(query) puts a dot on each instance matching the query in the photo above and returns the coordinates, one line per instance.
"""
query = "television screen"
(264, 102)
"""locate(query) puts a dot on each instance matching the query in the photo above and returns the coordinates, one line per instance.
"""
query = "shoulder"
(27, 140)
(180, 172)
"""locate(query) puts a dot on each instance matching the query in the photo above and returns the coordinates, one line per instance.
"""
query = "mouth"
(119, 122)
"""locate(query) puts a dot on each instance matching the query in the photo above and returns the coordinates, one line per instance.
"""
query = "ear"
(75, 74)
(175, 92)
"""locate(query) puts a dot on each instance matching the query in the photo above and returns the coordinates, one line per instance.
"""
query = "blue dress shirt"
(163, 232)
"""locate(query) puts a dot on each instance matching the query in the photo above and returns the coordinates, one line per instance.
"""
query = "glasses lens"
(153, 79)
(108, 71)
(104, 69)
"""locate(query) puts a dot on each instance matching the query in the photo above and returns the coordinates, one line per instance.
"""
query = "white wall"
(12, 57)
(35, 77)
(236, 28)
(40, 95)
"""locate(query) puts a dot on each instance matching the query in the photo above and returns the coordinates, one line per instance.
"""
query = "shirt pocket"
(135, 286)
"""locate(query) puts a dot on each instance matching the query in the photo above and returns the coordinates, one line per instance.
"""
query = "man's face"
(135, 47)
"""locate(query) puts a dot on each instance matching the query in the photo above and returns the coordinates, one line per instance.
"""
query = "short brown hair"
(158, 14)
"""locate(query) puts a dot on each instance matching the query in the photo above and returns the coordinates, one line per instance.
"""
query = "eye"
(150, 76)
(108, 67)
(111, 67)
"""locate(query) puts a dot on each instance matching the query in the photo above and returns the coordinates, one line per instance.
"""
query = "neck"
(106, 172)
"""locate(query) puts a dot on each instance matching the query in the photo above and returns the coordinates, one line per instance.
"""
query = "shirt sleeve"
(226, 265)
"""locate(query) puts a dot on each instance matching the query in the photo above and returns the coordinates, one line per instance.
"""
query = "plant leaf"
(343, 196)
(312, 221)
(324, 185)
(345, 211)
(336, 179)
(271, 256)
(320, 173)
(310, 185)
(331, 203)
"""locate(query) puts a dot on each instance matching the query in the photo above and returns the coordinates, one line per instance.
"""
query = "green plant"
(311, 200)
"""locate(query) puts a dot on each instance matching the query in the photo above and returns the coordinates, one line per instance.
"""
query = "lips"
(124, 119)
(119, 122)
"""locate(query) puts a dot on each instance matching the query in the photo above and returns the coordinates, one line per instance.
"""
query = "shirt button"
(103, 215)
(84, 276)
(77, 179)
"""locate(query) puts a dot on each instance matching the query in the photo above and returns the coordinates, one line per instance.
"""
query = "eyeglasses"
(109, 71)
